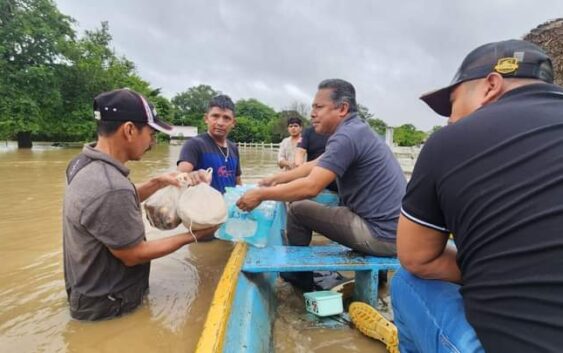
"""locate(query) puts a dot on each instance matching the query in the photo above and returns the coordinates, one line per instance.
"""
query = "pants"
(430, 317)
(336, 223)
(88, 308)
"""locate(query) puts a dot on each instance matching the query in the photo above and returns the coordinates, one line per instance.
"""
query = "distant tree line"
(49, 76)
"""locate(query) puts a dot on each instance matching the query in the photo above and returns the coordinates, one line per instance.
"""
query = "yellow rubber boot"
(372, 324)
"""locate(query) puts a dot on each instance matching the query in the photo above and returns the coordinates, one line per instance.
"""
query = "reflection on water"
(33, 310)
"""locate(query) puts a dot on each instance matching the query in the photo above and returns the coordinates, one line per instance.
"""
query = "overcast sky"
(278, 51)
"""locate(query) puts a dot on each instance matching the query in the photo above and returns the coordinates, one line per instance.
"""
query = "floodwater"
(33, 309)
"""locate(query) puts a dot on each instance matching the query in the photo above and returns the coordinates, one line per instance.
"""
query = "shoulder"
(98, 179)
(195, 142)
(232, 144)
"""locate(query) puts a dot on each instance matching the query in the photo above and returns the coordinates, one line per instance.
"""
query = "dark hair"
(294, 120)
(342, 91)
(222, 102)
(109, 127)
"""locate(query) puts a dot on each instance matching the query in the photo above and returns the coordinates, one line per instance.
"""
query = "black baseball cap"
(510, 58)
(127, 105)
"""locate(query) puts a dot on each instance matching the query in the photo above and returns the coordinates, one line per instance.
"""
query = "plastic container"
(323, 303)
(251, 227)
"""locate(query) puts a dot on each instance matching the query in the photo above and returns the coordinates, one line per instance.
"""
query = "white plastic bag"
(161, 208)
(201, 206)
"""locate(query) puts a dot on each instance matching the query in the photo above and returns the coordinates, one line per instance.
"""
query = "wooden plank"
(309, 258)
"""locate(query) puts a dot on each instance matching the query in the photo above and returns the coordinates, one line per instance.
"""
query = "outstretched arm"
(145, 251)
(299, 189)
(289, 175)
(146, 189)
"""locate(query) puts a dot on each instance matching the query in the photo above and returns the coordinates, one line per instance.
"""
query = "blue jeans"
(430, 317)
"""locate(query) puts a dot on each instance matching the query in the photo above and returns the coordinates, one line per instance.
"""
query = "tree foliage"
(33, 34)
(189, 107)
(408, 135)
(48, 78)
(378, 125)
(255, 109)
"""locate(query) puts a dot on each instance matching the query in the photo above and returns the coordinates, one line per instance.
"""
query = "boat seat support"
(323, 258)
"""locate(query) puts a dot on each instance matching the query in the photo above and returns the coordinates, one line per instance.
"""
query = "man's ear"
(494, 88)
(127, 130)
(344, 109)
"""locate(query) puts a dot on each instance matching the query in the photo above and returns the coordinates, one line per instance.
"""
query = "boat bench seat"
(323, 258)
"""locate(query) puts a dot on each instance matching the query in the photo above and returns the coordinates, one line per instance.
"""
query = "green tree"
(91, 67)
(277, 127)
(434, 129)
(190, 106)
(33, 34)
(378, 125)
(408, 135)
(246, 130)
(254, 109)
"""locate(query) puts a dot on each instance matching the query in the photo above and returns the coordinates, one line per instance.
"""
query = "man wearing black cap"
(494, 179)
(106, 255)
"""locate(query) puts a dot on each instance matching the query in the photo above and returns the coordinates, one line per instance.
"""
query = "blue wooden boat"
(242, 312)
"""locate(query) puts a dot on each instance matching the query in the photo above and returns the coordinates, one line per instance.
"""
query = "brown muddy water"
(33, 309)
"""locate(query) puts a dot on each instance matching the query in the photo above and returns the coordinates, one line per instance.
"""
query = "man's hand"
(171, 178)
(205, 234)
(250, 200)
(194, 178)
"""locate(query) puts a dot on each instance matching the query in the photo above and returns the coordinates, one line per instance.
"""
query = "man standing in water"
(106, 255)
(288, 146)
(212, 149)
(493, 178)
(370, 182)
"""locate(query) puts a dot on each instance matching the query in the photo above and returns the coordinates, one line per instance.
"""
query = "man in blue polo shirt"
(370, 181)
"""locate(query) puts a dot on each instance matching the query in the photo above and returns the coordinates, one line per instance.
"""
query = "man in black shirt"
(493, 179)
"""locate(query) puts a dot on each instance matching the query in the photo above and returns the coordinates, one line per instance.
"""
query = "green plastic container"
(323, 303)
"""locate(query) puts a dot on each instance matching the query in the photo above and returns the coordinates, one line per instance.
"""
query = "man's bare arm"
(290, 175)
(185, 167)
(145, 251)
(300, 156)
(299, 189)
(425, 252)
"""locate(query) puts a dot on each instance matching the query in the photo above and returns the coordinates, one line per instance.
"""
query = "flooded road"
(33, 309)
